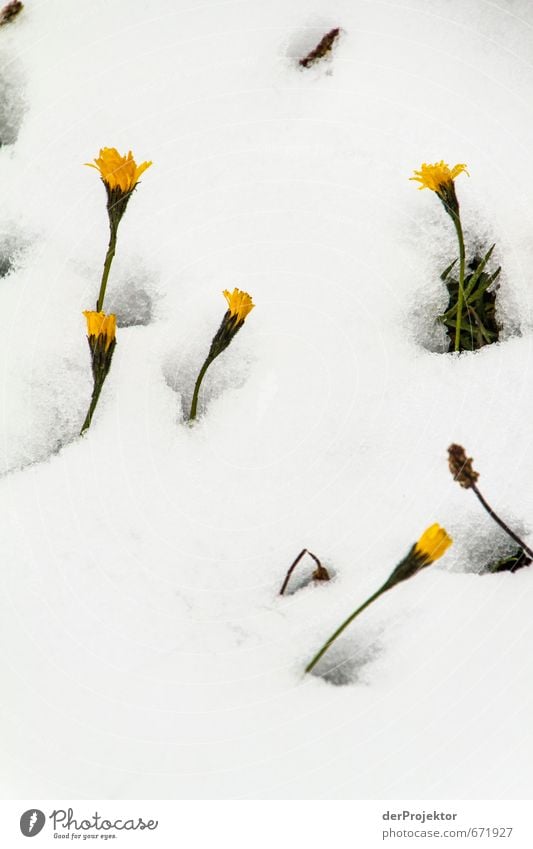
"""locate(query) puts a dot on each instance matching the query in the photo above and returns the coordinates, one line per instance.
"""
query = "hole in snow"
(12, 247)
(12, 100)
(485, 317)
(481, 545)
(46, 410)
(340, 667)
(228, 371)
(131, 296)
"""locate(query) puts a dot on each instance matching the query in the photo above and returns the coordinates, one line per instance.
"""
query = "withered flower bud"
(324, 47)
(10, 12)
(461, 466)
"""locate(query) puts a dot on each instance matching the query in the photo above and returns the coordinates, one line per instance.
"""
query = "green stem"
(460, 298)
(482, 329)
(194, 404)
(472, 282)
(107, 267)
(386, 586)
(92, 407)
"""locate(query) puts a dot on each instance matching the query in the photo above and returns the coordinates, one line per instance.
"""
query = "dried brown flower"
(461, 466)
(320, 573)
(322, 49)
(10, 11)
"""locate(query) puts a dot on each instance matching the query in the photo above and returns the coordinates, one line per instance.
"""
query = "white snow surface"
(145, 650)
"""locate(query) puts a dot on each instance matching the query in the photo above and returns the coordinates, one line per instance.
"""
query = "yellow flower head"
(432, 544)
(437, 176)
(100, 324)
(118, 172)
(239, 303)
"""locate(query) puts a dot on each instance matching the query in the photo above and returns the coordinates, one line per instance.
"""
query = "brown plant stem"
(320, 573)
(500, 522)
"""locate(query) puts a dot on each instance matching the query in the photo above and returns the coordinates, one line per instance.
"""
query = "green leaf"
(447, 270)
(479, 270)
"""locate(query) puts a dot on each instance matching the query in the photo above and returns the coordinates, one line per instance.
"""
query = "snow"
(146, 652)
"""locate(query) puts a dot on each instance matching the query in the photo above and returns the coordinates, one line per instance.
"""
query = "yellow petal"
(100, 324)
(239, 303)
(117, 171)
(437, 175)
(433, 543)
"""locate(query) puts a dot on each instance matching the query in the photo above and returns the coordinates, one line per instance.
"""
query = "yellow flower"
(433, 543)
(100, 324)
(239, 303)
(118, 172)
(437, 176)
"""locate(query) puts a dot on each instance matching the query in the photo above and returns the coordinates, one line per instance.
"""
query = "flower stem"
(92, 407)
(386, 586)
(500, 522)
(194, 404)
(293, 566)
(460, 298)
(107, 267)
